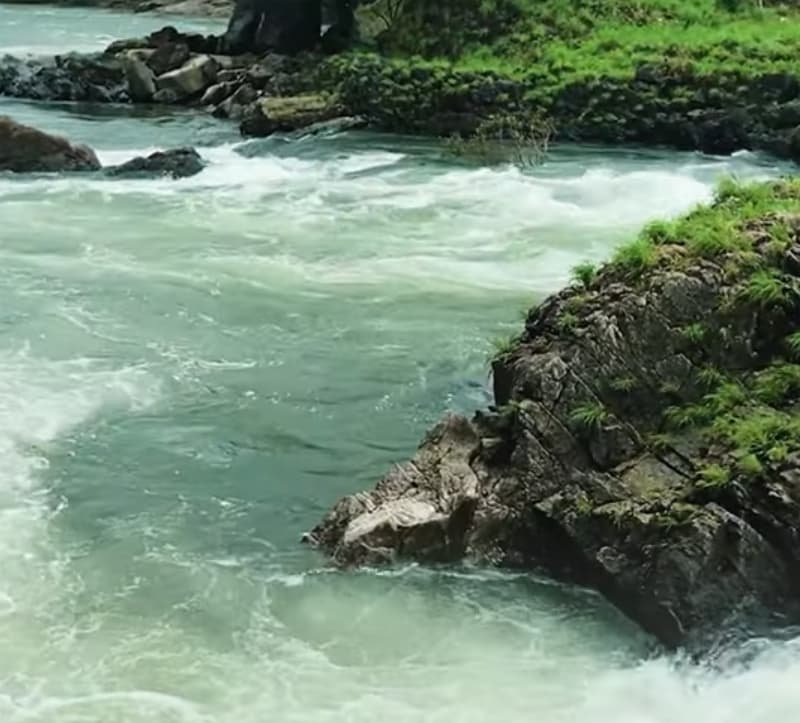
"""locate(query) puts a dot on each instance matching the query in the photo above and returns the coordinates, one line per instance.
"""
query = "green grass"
(793, 343)
(555, 42)
(766, 288)
(590, 417)
(694, 333)
(584, 273)
(503, 346)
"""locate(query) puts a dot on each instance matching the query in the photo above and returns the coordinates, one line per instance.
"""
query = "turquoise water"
(192, 372)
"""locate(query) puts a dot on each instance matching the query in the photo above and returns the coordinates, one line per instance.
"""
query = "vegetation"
(520, 138)
(562, 41)
(584, 273)
(590, 417)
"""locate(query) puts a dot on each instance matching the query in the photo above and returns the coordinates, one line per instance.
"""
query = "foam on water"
(192, 371)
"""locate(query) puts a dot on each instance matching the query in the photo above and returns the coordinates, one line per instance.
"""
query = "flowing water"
(192, 371)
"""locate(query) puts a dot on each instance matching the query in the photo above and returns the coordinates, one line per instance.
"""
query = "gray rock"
(140, 78)
(538, 483)
(191, 78)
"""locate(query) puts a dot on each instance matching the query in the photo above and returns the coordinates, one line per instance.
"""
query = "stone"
(140, 78)
(233, 106)
(176, 163)
(284, 26)
(271, 115)
(532, 484)
(168, 57)
(217, 93)
(166, 96)
(190, 79)
(24, 149)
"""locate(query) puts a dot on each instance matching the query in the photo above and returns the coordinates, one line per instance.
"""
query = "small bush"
(713, 475)
(636, 256)
(766, 288)
(584, 273)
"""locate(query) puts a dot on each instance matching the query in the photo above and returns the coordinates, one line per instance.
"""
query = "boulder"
(233, 106)
(190, 79)
(177, 163)
(24, 149)
(168, 57)
(141, 79)
(645, 442)
(283, 26)
(217, 93)
(271, 115)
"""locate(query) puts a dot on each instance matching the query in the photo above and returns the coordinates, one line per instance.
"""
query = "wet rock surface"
(175, 163)
(571, 471)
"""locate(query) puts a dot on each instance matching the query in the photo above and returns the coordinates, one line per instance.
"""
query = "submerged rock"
(645, 442)
(177, 163)
(24, 149)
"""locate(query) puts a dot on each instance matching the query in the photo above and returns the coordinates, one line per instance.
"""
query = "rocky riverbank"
(645, 439)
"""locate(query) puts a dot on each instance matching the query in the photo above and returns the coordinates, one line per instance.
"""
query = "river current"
(193, 371)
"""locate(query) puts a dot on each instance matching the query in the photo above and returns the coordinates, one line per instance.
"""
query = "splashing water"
(192, 371)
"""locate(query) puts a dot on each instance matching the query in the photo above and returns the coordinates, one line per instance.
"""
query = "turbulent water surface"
(192, 371)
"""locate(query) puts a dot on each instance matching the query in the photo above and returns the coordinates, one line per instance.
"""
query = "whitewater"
(193, 371)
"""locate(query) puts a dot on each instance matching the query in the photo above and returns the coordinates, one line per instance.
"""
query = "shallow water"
(192, 371)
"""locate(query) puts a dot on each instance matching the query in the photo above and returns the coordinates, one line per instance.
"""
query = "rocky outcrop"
(176, 163)
(645, 439)
(289, 26)
(27, 150)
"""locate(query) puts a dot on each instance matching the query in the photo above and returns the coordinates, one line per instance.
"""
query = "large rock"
(94, 77)
(272, 115)
(26, 150)
(289, 26)
(168, 57)
(176, 163)
(572, 470)
(140, 78)
(190, 79)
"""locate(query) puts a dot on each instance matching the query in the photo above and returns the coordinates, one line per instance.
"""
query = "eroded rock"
(572, 472)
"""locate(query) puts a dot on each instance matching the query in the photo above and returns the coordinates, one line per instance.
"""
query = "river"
(193, 371)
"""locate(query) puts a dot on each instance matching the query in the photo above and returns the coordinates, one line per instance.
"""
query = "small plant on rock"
(502, 346)
(590, 417)
(584, 273)
(766, 288)
(694, 333)
(714, 475)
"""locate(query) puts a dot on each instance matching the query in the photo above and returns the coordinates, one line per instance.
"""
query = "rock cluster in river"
(571, 471)
(24, 149)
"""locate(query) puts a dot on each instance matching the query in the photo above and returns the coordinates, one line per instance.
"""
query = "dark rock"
(217, 93)
(122, 46)
(94, 77)
(24, 149)
(166, 96)
(284, 26)
(233, 106)
(177, 163)
(533, 486)
(167, 57)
